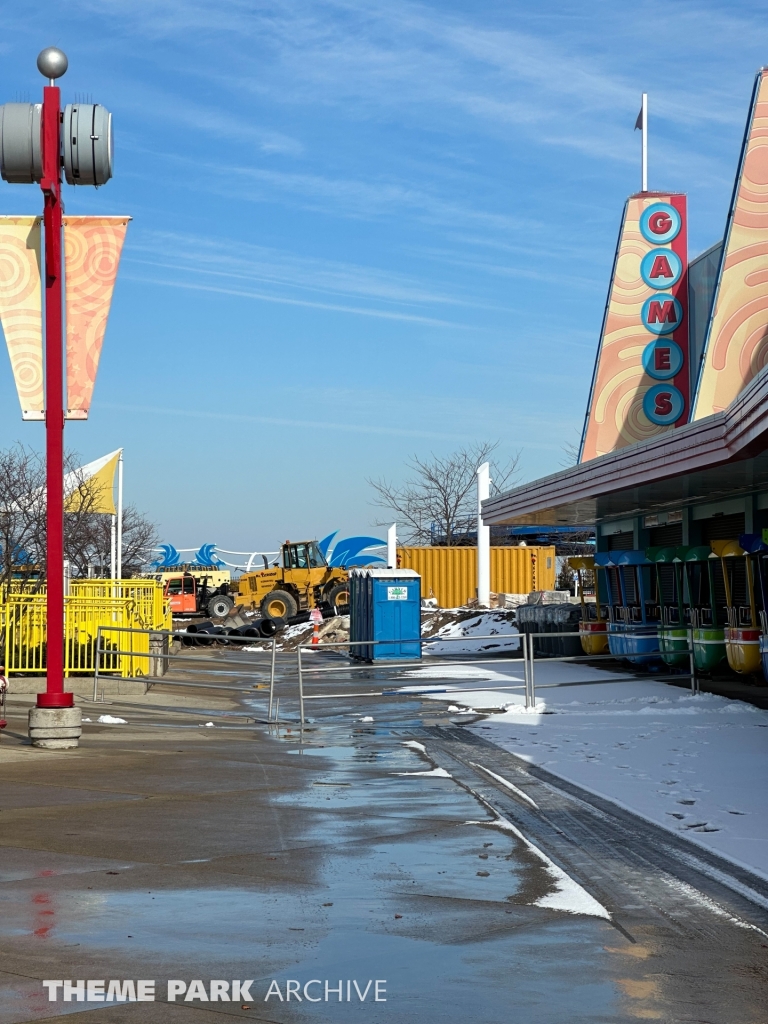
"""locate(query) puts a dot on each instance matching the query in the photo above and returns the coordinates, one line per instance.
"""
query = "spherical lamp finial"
(52, 62)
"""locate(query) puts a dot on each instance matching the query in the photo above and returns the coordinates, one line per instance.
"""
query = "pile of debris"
(464, 630)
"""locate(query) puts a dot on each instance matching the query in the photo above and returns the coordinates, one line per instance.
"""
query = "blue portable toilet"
(385, 605)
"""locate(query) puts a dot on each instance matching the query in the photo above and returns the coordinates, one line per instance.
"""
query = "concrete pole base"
(55, 728)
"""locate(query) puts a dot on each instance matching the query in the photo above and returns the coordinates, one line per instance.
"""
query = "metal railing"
(528, 659)
(218, 666)
(161, 655)
(641, 656)
(403, 664)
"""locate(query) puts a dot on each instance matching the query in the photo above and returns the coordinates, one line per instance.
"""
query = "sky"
(366, 230)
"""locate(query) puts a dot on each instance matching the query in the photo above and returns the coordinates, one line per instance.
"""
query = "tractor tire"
(338, 598)
(220, 606)
(278, 604)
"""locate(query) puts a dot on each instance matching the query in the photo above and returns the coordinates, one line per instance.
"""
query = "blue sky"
(364, 230)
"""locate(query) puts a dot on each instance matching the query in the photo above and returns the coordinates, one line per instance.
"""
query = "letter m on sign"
(662, 312)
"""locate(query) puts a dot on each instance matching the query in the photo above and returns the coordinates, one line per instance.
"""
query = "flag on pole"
(21, 309)
(92, 247)
(92, 486)
(639, 121)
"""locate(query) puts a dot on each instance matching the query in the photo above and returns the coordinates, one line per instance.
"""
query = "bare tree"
(22, 541)
(570, 450)
(89, 542)
(86, 532)
(440, 497)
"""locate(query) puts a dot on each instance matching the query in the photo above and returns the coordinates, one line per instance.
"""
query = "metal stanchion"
(525, 667)
(531, 675)
(97, 666)
(301, 685)
(272, 678)
(692, 657)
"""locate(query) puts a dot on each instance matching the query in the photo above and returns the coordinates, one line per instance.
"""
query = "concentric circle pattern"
(92, 247)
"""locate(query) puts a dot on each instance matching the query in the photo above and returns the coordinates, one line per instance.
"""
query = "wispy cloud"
(245, 293)
(281, 421)
(242, 261)
(415, 57)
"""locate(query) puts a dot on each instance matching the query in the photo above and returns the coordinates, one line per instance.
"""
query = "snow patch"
(414, 745)
(461, 637)
(435, 773)
(111, 720)
(568, 895)
(507, 784)
(690, 763)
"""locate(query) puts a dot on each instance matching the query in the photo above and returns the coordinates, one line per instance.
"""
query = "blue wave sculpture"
(325, 543)
(348, 552)
(20, 556)
(169, 558)
(206, 556)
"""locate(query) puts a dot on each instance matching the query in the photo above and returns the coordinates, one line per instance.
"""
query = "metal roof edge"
(728, 436)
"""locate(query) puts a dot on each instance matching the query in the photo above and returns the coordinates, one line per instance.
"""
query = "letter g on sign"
(660, 222)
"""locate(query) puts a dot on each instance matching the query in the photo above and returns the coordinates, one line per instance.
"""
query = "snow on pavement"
(695, 765)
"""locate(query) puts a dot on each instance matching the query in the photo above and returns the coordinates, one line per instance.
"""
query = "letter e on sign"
(661, 359)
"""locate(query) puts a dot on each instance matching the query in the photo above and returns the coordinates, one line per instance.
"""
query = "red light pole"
(54, 696)
(36, 142)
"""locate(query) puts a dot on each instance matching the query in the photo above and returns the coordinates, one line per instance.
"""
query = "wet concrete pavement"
(166, 850)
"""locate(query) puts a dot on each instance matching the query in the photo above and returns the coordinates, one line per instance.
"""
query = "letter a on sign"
(661, 267)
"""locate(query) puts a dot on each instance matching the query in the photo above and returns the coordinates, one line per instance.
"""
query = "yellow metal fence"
(90, 604)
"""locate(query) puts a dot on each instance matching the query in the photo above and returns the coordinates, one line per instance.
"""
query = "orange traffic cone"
(316, 634)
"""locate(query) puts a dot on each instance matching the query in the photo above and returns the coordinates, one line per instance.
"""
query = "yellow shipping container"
(450, 574)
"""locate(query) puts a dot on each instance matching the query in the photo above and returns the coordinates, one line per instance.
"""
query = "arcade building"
(674, 450)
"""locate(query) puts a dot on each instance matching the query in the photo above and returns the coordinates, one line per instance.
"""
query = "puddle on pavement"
(463, 962)
(399, 898)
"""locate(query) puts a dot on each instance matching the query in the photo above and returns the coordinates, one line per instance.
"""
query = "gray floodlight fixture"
(87, 138)
(52, 63)
(21, 158)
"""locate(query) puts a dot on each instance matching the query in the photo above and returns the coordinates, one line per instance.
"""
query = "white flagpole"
(483, 538)
(120, 517)
(645, 141)
(112, 548)
(392, 546)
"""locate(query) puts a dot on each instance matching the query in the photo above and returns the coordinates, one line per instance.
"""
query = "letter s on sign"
(660, 222)
(663, 405)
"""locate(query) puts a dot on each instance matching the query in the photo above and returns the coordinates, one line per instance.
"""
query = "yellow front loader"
(303, 580)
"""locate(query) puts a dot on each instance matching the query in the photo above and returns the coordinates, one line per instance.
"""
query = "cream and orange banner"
(618, 410)
(21, 309)
(737, 342)
(92, 247)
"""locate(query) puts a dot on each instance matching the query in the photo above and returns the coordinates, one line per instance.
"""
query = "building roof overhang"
(719, 456)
